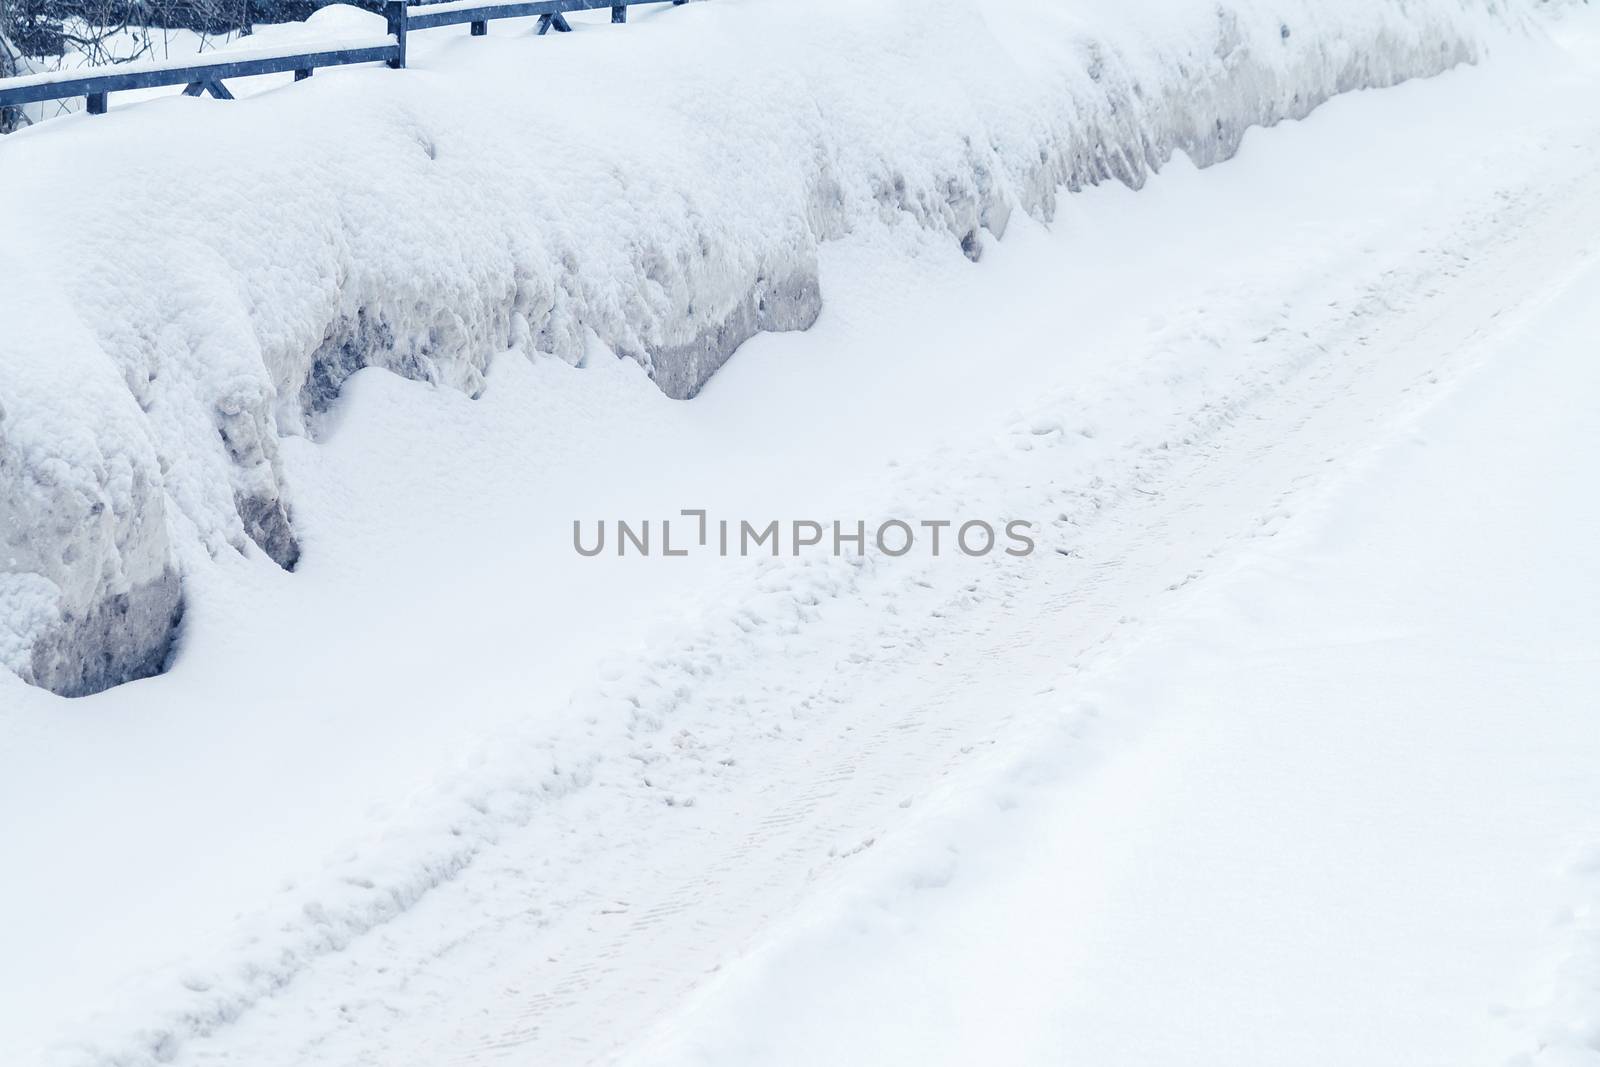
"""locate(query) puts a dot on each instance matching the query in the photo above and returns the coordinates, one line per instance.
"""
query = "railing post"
(619, 14)
(394, 12)
(96, 103)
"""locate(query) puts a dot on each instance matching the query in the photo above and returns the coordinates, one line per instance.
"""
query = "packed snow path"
(1339, 808)
(1183, 414)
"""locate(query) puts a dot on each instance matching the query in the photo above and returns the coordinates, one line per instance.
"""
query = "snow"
(1293, 430)
(425, 221)
(1351, 780)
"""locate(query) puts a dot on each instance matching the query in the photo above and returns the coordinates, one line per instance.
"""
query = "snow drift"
(188, 280)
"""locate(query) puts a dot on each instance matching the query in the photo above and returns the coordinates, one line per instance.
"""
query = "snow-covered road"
(1339, 807)
(1272, 753)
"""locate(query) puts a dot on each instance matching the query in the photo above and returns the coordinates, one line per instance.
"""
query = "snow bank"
(1561, 1020)
(192, 279)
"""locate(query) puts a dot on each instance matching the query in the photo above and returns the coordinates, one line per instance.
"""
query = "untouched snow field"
(1280, 749)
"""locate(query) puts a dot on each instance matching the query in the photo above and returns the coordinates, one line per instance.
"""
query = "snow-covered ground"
(1341, 805)
(1280, 748)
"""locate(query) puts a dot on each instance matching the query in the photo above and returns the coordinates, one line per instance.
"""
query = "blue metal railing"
(202, 74)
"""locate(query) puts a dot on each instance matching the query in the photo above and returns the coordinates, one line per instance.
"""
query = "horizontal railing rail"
(478, 13)
(206, 74)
